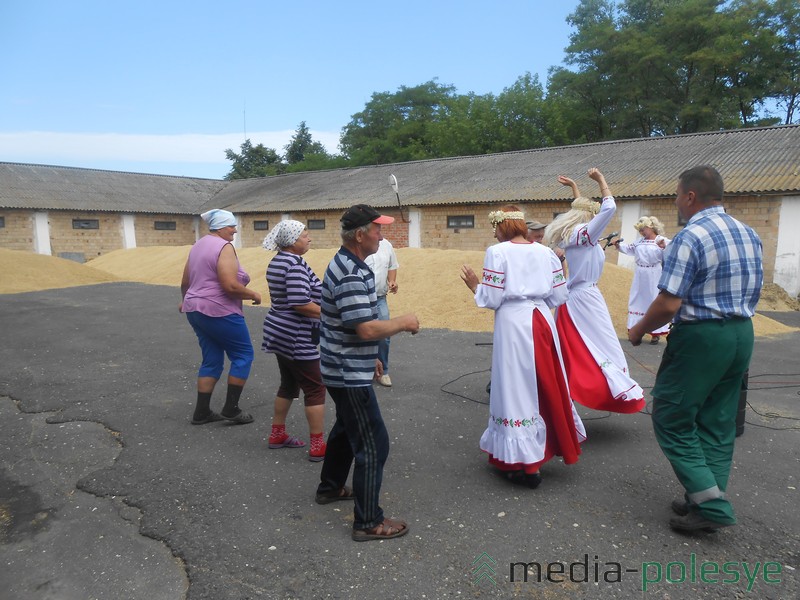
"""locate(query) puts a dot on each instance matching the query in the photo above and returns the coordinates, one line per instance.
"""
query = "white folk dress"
(644, 288)
(596, 367)
(532, 417)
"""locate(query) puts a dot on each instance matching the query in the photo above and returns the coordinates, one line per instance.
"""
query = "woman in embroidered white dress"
(596, 367)
(531, 416)
(648, 252)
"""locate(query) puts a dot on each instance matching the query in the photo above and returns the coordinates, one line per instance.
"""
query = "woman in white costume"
(648, 252)
(596, 367)
(531, 416)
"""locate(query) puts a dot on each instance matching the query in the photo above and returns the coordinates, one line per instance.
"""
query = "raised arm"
(594, 173)
(563, 180)
(607, 208)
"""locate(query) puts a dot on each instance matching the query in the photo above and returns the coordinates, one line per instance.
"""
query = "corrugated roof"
(751, 161)
(66, 188)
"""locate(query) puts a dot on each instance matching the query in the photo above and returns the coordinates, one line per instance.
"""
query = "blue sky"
(166, 86)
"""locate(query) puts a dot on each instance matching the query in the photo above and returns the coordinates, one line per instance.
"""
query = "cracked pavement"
(108, 492)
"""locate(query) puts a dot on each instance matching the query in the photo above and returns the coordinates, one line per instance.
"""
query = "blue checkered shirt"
(714, 265)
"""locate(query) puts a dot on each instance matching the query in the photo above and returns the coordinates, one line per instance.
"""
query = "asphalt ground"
(107, 491)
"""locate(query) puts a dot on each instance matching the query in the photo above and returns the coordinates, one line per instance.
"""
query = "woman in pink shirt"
(213, 287)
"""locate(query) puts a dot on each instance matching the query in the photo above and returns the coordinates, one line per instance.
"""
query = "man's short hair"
(705, 181)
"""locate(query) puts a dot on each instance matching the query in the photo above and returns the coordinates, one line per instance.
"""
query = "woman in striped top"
(291, 332)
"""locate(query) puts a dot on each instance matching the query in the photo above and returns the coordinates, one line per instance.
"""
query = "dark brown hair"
(705, 181)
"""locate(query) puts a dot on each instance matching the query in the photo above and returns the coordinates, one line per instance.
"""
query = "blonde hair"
(651, 222)
(582, 210)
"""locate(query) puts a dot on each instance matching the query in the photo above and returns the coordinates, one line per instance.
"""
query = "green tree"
(586, 95)
(319, 162)
(302, 146)
(660, 67)
(469, 125)
(784, 19)
(254, 161)
(396, 127)
(523, 116)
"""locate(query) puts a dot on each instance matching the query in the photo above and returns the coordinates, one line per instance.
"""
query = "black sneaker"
(680, 507)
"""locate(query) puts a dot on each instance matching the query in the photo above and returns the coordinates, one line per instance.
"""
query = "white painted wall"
(237, 239)
(787, 256)
(414, 229)
(41, 234)
(196, 226)
(630, 213)
(128, 232)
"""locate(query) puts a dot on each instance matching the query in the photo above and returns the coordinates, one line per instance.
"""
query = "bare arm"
(185, 280)
(308, 310)
(376, 330)
(391, 279)
(661, 311)
(184, 285)
(227, 270)
(594, 173)
(567, 181)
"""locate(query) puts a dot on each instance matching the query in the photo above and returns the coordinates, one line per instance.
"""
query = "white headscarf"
(218, 218)
(284, 234)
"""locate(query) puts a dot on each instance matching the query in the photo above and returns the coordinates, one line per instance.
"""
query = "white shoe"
(385, 381)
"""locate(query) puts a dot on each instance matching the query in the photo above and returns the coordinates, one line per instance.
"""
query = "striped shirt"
(714, 265)
(348, 298)
(287, 332)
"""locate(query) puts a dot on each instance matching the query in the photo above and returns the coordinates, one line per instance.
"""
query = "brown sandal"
(387, 530)
(345, 493)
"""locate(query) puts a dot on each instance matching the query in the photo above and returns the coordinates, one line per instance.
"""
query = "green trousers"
(695, 401)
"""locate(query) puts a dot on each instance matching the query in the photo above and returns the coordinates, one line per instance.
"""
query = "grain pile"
(29, 272)
(429, 282)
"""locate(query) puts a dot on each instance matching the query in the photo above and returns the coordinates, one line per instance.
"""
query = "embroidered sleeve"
(558, 294)
(493, 280)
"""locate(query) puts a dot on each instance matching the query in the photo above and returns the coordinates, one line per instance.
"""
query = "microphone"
(609, 237)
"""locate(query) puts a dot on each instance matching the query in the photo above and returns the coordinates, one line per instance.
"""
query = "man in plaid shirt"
(709, 289)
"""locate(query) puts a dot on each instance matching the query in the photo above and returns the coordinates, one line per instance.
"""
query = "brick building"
(442, 203)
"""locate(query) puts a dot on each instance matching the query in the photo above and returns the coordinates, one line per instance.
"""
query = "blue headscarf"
(218, 218)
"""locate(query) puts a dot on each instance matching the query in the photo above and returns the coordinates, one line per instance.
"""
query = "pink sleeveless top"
(205, 294)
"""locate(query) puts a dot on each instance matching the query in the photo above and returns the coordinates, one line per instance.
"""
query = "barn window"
(316, 224)
(2, 222)
(165, 225)
(461, 222)
(85, 223)
(261, 225)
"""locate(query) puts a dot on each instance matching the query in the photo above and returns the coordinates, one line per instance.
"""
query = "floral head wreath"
(651, 222)
(585, 204)
(498, 216)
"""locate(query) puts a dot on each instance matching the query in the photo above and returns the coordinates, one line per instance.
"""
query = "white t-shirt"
(383, 261)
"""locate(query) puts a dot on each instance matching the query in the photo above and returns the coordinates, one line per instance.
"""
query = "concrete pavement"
(108, 492)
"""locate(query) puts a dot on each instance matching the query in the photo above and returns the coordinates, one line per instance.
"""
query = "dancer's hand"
(469, 277)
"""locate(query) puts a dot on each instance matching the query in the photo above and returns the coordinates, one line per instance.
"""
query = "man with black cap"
(349, 362)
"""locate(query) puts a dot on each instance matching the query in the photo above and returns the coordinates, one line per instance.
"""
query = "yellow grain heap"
(429, 281)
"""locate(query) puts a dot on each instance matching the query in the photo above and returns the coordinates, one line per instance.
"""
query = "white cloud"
(74, 148)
